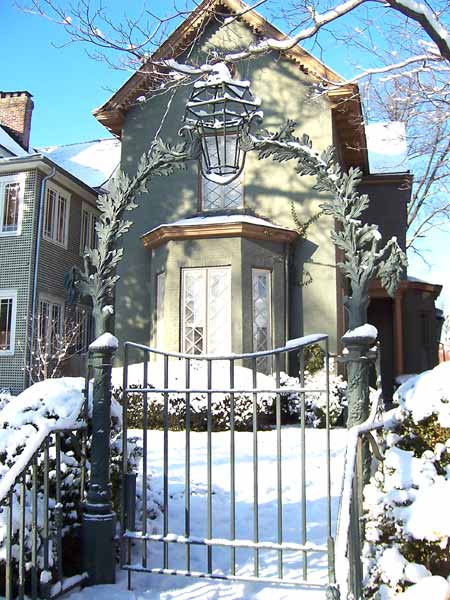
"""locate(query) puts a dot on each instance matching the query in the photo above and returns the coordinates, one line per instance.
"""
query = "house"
(210, 268)
(47, 218)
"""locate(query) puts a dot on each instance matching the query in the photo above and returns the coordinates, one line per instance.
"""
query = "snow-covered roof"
(387, 148)
(92, 162)
(218, 219)
(10, 145)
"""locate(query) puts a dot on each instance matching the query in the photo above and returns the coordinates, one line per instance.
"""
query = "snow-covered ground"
(148, 586)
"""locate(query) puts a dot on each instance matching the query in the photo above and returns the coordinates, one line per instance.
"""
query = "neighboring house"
(47, 217)
(210, 269)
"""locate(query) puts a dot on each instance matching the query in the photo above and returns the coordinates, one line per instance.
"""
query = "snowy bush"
(315, 402)
(5, 397)
(23, 424)
(407, 499)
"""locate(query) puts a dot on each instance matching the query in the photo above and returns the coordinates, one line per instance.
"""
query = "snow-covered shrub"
(5, 397)
(43, 406)
(315, 402)
(407, 499)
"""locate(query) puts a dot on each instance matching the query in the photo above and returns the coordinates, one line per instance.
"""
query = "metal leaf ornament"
(364, 257)
(98, 277)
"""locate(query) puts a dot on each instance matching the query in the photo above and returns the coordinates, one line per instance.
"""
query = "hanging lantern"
(217, 110)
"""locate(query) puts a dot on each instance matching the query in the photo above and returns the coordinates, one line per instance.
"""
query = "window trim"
(93, 214)
(161, 280)
(10, 294)
(4, 180)
(67, 196)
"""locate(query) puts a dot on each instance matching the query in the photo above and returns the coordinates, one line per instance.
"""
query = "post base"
(98, 547)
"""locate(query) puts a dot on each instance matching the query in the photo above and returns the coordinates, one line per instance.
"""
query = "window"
(160, 291)
(261, 292)
(221, 197)
(11, 202)
(50, 325)
(8, 301)
(56, 216)
(206, 310)
(88, 238)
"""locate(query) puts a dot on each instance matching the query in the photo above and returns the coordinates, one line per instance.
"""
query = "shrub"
(315, 403)
(406, 501)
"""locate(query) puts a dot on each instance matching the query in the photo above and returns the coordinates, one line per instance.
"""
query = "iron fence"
(35, 499)
(155, 378)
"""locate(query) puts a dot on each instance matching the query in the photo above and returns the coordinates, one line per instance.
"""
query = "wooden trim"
(111, 113)
(399, 362)
(376, 290)
(167, 233)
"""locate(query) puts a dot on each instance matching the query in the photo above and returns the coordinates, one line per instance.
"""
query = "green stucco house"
(218, 269)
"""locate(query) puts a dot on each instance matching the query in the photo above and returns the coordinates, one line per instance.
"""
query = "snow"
(366, 330)
(105, 341)
(218, 219)
(27, 420)
(434, 387)
(387, 148)
(151, 587)
(433, 588)
(92, 162)
(11, 145)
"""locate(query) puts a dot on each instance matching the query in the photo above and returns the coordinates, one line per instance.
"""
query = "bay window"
(206, 310)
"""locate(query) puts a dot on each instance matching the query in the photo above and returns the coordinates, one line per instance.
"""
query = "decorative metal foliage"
(98, 278)
(363, 257)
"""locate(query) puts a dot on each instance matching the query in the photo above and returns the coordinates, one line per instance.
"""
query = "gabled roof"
(110, 114)
(92, 162)
(347, 111)
(10, 144)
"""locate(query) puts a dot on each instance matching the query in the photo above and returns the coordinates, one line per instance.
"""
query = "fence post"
(99, 520)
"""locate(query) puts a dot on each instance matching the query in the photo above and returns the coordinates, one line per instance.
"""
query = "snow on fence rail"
(43, 472)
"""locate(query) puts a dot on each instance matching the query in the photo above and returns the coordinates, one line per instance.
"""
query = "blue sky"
(67, 85)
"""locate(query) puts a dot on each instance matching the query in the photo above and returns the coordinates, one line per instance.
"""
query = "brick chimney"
(15, 115)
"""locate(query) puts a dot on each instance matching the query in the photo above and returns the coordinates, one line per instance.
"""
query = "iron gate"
(159, 383)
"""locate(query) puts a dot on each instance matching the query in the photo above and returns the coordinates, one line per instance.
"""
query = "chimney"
(15, 115)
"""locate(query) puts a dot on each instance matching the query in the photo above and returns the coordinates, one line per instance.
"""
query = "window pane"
(61, 220)
(219, 300)
(222, 197)
(6, 306)
(160, 292)
(194, 310)
(11, 207)
(84, 230)
(261, 315)
(207, 310)
(49, 208)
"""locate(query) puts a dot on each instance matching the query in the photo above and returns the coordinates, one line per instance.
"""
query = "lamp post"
(216, 113)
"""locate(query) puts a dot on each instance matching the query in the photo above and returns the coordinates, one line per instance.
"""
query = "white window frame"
(87, 211)
(61, 194)
(51, 301)
(4, 181)
(10, 295)
(226, 348)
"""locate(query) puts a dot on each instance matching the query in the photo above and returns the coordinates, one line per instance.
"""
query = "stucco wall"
(286, 92)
